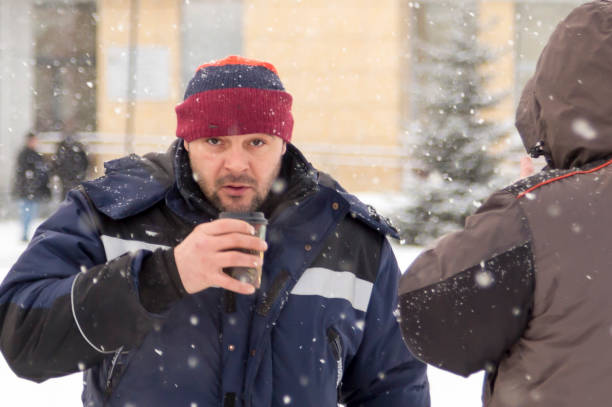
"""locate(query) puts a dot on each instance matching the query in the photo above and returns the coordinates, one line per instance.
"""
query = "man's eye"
(258, 142)
(213, 141)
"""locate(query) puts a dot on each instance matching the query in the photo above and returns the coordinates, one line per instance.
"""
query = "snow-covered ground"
(446, 389)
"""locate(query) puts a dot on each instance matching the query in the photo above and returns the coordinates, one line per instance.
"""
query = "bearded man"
(126, 280)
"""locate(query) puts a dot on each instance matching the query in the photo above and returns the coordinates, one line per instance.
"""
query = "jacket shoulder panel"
(479, 240)
(547, 176)
(131, 184)
(352, 247)
(523, 185)
(465, 323)
(359, 210)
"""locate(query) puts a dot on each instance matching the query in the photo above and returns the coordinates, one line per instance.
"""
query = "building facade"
(113, 70)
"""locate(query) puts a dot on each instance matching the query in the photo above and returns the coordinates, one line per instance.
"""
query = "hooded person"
(126, 280)
(523, 291)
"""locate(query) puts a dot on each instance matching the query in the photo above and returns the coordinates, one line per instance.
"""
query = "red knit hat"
(234, 96)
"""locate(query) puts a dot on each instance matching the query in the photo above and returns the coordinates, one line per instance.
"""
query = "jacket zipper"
(109, 380)
(336, 346)
(230, 302)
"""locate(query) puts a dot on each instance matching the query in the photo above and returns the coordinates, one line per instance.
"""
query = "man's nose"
(237, 159)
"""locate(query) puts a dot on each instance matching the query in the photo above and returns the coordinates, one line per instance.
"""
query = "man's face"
(235, 173)
(32, 142)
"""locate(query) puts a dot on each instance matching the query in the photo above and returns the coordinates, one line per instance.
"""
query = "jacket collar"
(188, 188)
(133, 184)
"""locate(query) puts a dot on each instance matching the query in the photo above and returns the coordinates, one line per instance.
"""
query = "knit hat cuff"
(234, 111)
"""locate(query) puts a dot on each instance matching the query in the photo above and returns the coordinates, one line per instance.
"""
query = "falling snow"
(447, 389)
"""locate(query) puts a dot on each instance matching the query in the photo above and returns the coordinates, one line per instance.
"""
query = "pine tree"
(451, 140)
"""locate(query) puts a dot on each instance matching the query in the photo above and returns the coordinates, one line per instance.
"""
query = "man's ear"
(186, 145)
(284, 147)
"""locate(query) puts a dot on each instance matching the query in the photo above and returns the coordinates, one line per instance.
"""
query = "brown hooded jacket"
(524, 291)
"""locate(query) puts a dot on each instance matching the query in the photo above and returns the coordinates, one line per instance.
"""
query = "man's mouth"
(235, 189)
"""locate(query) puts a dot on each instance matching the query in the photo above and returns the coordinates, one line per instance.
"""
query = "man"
(70, 162)
(125, 281)
(31, 183)
(524, 290)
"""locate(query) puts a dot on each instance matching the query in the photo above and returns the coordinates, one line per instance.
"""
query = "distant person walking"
(31, 182)
(70, 163)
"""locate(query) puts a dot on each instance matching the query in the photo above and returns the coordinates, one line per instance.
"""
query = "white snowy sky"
(446, 389)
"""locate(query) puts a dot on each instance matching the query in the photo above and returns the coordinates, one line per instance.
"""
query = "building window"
(65, 66)
(211, 29)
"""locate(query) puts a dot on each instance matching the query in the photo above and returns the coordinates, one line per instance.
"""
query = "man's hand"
(526, 167)
(201, 257)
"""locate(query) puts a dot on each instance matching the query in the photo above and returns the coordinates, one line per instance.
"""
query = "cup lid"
(250, 217)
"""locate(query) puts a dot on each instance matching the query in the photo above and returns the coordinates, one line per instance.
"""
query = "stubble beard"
(258, 199)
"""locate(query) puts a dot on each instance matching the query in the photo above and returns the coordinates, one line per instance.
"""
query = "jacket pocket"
(335, 342)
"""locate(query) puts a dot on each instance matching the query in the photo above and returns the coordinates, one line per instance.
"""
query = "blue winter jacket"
(97, 290)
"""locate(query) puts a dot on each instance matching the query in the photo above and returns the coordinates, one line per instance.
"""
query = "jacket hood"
(132, 184)
(565, 111)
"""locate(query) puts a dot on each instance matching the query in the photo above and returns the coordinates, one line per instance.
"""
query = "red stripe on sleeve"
(570, 174)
